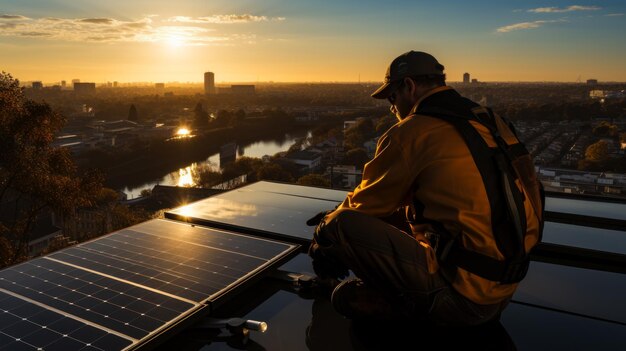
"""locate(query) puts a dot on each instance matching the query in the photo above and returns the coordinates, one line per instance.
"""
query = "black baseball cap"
(409, 64)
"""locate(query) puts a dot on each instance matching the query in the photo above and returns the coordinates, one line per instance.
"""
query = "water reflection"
(185, 176)
(182, 176)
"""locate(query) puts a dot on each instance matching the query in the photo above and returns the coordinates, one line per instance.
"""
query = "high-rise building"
(209, 83)
(63, 84)
(37, 85)
(592, 82)
(466, 78)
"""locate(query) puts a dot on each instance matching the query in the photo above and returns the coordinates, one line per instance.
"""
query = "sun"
(175, 40)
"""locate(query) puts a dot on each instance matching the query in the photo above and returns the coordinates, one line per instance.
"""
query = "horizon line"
(69, 83)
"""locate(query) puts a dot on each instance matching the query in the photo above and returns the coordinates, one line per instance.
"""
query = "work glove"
(325, 264)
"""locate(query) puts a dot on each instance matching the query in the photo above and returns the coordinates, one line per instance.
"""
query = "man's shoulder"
(421, 124)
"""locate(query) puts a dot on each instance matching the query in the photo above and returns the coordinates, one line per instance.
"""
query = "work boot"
(355, 300)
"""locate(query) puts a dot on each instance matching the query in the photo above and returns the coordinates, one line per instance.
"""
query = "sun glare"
(183, 132)
(175, 40)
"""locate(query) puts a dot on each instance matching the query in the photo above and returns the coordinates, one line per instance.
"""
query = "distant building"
(84, 88)
(243, 89)
(37, 85)
(159, 85)
(63, 84)
(474, 81)
(308, 159)
(466, 78)
(209, 83)
(75, 80)
(115, 84)
(592, 82)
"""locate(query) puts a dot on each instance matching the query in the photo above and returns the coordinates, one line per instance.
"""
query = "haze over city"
(299, 41)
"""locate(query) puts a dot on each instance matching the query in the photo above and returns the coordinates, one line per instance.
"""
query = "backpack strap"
(505, 200)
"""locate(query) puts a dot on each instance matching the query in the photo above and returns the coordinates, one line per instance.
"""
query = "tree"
(240, 115)
(205, 177)
(597, 152)
(357, 157)
(241, 166)
(200, 116)
(35, 178)
(359, 134)
(605, 129)
(273, 171)
(314, 179)
(223, 118)
(132, 113)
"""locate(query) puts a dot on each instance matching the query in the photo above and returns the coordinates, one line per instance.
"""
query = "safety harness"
(499, 167)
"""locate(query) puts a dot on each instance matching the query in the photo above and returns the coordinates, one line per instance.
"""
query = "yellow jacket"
(426, 158)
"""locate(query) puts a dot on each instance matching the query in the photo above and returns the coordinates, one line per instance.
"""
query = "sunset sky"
(303, 40)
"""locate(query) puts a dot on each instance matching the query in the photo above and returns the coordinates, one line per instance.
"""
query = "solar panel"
(610, 210)
(606, 240)
(591, 293)
(297, 190)
(270, 209)
(129, 286)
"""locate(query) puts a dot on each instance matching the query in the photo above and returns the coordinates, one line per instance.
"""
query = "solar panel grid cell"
(101, 300)
(175, 258)
(28, 326)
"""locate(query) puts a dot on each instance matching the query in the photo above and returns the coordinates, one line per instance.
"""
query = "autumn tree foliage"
(598, 151)
(314, 179)
(35, 178)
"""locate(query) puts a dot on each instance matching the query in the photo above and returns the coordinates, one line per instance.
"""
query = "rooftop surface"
(572, 297)
(238, 254)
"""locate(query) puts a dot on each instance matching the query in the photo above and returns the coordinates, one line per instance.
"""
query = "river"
(183, 176)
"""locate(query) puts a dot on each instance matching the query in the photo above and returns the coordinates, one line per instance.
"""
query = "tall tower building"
(466, 78)
(209, 83)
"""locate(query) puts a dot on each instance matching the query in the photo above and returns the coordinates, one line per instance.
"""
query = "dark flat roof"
(562, 303)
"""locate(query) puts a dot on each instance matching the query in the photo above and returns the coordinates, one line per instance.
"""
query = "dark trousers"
(395, 264)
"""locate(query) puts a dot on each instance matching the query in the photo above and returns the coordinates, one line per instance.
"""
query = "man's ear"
(410, 85)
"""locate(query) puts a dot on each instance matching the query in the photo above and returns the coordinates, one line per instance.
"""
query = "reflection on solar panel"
(123, 289)
(270, 209)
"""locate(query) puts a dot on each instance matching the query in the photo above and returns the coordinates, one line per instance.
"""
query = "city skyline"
(296, 41)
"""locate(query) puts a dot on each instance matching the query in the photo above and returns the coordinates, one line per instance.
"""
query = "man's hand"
(325, 264)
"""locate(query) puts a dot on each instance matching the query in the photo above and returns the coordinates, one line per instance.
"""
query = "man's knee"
(343, 219)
